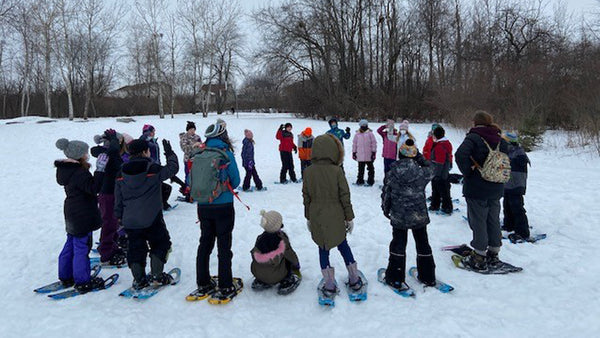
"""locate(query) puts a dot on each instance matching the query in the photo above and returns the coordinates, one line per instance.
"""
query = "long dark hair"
(225, 138)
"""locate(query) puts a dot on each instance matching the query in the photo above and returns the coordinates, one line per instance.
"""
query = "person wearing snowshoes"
(305, 143)
(404, 204)
(217, 217)
(81, 212)
(364, 151)
(189, 143)
(429, 142)
(389, 134)
(138, 206)
(286, 146)
(248, 162)
(149, 135)
(515, 216)
(482, 196)
(110, 143)
(273, 259)
(328, 210)
(441, 160)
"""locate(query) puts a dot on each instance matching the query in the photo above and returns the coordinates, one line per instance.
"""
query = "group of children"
(127, 190)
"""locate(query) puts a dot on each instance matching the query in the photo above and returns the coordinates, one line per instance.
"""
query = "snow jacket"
(286, 140)
(271, 256)
(186, 142)
(390, 146)
(441, 158)
(305, 144)
(153, 146)
(81, 212)
(138, 195)
(403, 195)
(517, 185)
(113, 166)
(340, 134)
(364, 145)
(326, 193)
(427, 147)
(473, 148)
(247, 153)
(232, 172)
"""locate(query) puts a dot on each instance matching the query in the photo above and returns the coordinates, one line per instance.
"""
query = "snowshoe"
(65, 284)
(117, 261)
(203, 292)
(93, 284)
(358, 292)
(326, 297)
(401, 289)
(260, 286)
(516, 239)
(224, 296)
(105, 284)
(441, 286)
(289, 284)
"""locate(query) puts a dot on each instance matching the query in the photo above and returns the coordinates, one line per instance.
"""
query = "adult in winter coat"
(515, 215)
(403, 203)
(429, 142)
(248, 162)
(483, 197)
(81, 213)
(149, 135)
(189, 143)
(441, 159)
(305, 143)
(109, 250)
(328, 209)
(286, 146)
(138, 204)
(389, 134)
(217, 219)
(273, 259)
(364, 151)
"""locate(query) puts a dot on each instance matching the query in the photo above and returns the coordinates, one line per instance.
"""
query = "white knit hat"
(271, 221)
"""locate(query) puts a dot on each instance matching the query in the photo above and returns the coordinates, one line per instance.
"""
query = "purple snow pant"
(73, 262)
(109, 233)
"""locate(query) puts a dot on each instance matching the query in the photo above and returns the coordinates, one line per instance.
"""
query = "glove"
(281, 126)
(101, 162)
(250, 165)
(347, 130)
(308, 225)
(349, 226)
(421, 160)
(354, 156)
(295, 150)
(167, 147)
(373, 156)
(110, 134)
(386, 213)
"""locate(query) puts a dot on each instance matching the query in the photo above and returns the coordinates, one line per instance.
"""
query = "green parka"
(326, 193)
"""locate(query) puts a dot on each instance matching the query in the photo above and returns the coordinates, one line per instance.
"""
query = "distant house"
(149, 89)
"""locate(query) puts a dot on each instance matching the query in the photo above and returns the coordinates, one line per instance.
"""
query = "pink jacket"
(389, 145)
(364, 145)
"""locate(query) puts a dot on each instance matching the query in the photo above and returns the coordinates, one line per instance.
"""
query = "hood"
(489, 133)
(270, 256)
(328, 149)
(135, 172)
(216, 143)
(65, 170)
(360, 131)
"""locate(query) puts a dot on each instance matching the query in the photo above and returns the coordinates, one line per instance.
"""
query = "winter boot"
(203, 291)
(258, 285)
(395, 272)
(426, 269)
(223, 295)
(162, 279)
(492, 258)
(67, 283)
(139, 284)
(95, 283)
(288, 284)
(157, 265)
(330, 287)
(354, 280)
(475, 261)
(117, 259)
(139, 272)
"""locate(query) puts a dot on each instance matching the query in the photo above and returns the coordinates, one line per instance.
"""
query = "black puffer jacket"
(112, 167)
(473, 146)
(81, 205)
(403, 197)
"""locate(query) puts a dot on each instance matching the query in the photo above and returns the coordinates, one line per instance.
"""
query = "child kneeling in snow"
(273, 259)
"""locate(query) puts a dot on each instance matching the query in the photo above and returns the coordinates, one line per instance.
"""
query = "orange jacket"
(305, 144)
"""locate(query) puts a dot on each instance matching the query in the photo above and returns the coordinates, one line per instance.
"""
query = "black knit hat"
(137, 147)
(190, 125)
(333, 120)
(439, 132)
(288, 125)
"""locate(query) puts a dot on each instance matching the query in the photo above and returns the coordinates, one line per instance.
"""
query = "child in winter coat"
(429, 142)
(364, 150)
(286, 145)
(404, 134)
(403, 203)
(110, 144)
(337, 132)
(305, 143)
(328, 209)
(149, 135)
(389, 134)
(138, 205)
(189, 143)
(515, 215)
(248, 162)
(441, 159)
(273, 259)
(81, 212)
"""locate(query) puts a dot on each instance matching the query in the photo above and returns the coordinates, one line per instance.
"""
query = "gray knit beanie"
(72, 149)
(271, 221)
(214, 130)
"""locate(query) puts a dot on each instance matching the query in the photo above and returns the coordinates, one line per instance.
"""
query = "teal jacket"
(233, 172)
(339, 133)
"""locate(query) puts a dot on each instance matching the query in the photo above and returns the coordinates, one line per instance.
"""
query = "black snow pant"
(303, 165)
(156, 236)
(515, 215)
(361, 173)
(251, 174)
(396, 269)
(440, 194)
(484, 221)
(216, 224)
(287, 164)
(166, 192)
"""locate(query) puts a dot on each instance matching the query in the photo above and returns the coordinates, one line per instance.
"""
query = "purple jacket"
(364, 145)
(389, 145)
(247, 153)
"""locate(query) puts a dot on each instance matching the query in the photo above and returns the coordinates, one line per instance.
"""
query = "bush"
(531, 133)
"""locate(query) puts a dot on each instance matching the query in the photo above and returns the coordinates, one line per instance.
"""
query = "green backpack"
(208, 176)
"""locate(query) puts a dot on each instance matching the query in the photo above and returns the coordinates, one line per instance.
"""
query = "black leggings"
(216, 224)
(287, 164)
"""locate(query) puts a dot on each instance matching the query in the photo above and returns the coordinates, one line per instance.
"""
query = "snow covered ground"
(556, 295)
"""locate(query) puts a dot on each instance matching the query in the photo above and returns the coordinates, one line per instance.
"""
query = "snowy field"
(556, 295)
